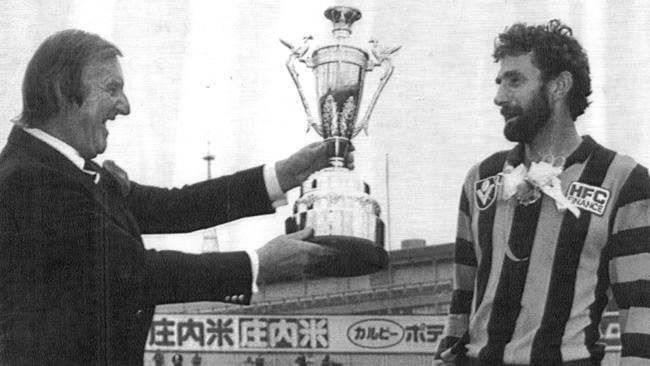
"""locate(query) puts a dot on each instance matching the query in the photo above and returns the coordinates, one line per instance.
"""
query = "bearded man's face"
(522, 97)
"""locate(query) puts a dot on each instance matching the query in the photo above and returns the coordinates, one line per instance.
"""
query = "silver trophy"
(334, 201)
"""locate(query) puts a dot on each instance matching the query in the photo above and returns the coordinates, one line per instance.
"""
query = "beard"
(528, 122)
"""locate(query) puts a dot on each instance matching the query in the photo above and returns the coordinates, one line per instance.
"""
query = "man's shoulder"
(488, 167)
(16, 166)
(603, 157)
(623, 160)
(623, 168)
(630, 177)
(23, 172)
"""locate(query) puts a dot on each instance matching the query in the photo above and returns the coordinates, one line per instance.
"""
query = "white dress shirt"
(277, 197)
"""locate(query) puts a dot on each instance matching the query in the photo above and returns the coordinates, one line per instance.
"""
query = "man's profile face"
(522, 98)
(104, 100)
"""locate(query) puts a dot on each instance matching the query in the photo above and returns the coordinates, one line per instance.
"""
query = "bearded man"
(547, 229)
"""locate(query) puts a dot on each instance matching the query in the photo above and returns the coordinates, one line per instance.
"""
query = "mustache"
(511, 111)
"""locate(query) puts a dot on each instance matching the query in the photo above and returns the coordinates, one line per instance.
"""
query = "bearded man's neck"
(558, 138)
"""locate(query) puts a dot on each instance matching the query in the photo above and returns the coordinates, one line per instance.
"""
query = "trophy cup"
(334, 201)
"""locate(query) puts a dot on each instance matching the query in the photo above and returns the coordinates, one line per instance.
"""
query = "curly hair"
(56, 67)
(554, 51)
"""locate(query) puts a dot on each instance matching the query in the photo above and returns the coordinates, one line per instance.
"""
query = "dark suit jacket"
(77, 286)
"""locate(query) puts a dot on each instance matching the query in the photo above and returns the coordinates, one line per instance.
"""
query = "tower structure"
(210, 238)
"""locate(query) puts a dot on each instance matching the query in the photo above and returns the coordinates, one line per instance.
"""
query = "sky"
(200, 72)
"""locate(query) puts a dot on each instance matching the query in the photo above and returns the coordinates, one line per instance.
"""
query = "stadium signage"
(294, 333)
(376, 333)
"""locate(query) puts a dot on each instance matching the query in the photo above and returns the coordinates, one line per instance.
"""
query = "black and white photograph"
(325, 183)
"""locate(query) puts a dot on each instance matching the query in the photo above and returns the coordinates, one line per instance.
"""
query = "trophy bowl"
(334, 201)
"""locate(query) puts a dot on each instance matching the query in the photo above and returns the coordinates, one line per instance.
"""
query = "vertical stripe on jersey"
(547, 343)
(491, 166)
(592, 331)
(507, 299)
(464, 249)
(464, 262)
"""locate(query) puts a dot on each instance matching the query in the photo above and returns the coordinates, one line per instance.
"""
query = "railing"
(341, 297)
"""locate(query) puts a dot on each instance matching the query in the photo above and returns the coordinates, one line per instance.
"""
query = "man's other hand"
(290, 258)
(296, 168)
(449, 348)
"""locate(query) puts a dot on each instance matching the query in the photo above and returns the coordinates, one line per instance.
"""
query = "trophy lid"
(342, 18)
(341, 47)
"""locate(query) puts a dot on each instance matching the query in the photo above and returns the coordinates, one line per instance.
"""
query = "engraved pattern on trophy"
(335, 201)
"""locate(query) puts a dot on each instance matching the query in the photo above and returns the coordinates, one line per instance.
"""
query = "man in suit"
(77, 286)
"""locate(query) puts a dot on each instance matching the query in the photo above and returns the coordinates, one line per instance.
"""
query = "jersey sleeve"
(629, 266)
(464, 267)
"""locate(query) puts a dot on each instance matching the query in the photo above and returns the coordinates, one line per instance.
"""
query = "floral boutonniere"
(527, 185)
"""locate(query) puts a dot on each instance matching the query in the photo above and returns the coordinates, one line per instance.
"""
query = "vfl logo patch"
(589, 198)
(485, 191)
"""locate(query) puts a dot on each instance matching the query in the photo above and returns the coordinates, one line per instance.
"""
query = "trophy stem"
(338, 149)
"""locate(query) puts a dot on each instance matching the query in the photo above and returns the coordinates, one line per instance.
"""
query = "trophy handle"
(383, 56)
(297, 53)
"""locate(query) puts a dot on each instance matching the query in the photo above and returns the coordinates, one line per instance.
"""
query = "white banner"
(350, 334)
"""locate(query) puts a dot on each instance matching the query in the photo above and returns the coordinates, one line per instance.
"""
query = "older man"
(547, 228)
(77, 286)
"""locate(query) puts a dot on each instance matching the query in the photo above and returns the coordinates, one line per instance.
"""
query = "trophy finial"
(342, 17)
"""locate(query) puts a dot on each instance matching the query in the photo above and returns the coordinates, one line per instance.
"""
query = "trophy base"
(337, 205)
(358, 256)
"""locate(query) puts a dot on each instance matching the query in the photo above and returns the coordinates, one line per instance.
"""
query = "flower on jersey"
(515, 184)
(527, 185)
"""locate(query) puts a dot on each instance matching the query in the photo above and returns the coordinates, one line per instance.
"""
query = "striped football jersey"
(531, 282)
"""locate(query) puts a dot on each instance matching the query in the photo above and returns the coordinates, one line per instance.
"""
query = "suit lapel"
(108, 194)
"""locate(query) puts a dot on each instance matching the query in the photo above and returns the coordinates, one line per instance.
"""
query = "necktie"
(91, 168)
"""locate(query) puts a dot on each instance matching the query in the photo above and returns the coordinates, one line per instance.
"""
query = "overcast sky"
(199, 71)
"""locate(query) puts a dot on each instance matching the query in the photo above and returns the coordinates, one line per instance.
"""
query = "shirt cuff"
(277, 197)
(255, 268)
